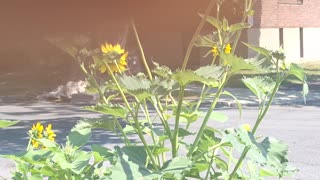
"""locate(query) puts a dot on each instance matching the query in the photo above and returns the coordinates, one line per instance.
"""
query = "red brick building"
(291, 24)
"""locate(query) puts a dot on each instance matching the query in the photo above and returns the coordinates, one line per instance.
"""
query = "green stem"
(164, 122)
(207, 117)
(243, 155)
(96, 85)
(29, 144)
(141, 50)
(139, 131)
(248, 7)
(210, 164)
(126, 140)
(175, 145)
(265, 110)
(259, 120)
(197, 32)
(147, 115)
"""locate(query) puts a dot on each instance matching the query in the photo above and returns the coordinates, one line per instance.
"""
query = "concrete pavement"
(288, 120)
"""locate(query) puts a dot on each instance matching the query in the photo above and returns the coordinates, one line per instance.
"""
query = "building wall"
(299, 24)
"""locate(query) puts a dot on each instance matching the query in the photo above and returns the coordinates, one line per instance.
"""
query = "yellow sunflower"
(116, 58)
(36, 133)
(49, 133)
(227, 49)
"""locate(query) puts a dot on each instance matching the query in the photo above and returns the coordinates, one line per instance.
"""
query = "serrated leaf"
(260, 50)
(212, 20)
(210, 71)
(209, 40)
(261, 86)
(237, 63)
(7, 123)
(162, 71)
(113, 110)
(134, 83)
(186, 77)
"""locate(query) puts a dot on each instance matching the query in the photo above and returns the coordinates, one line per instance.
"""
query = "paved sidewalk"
(288, 120)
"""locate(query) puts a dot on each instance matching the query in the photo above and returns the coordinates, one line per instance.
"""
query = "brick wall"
(271, 14)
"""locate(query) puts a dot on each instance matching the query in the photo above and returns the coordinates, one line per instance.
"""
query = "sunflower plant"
(153, 107)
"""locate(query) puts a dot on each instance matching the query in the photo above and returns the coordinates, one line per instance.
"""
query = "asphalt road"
(298, 126)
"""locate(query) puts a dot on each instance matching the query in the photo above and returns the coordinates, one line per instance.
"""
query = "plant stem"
(207, 117)
(175, 145)
(139, 131)
(127, 141)
(197, 32)
(164, 122)
(243, 155)
(248, 7)
(141, 49)
(147, 115)
(265, 110)
(259, 120)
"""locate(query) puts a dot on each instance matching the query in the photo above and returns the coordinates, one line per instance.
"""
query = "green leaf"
(182, 133)
(219, 116)
(261, 86)
(7, 123)
(127, 169)
(162, 71)
(115, 110)
(159, 150)
(209, 41)
(101, 153)
(225, 25)
(238, 63)
(239, 26)
(260, 50)
(221, 164)
(48, 144)
(210, 72)
(134, 83)
(80, 162)
(236, 99)
(305, 91)
(79, 137)
(297, 71)
(136, 154)
(186, 77)
(176, 165)
(104, 122)
(213, 21)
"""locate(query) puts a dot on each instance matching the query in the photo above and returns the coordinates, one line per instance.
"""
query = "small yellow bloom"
(36, 133)
(227, 49)
(247, 127)
(215, 51)
(116, 58)
(49, 133)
